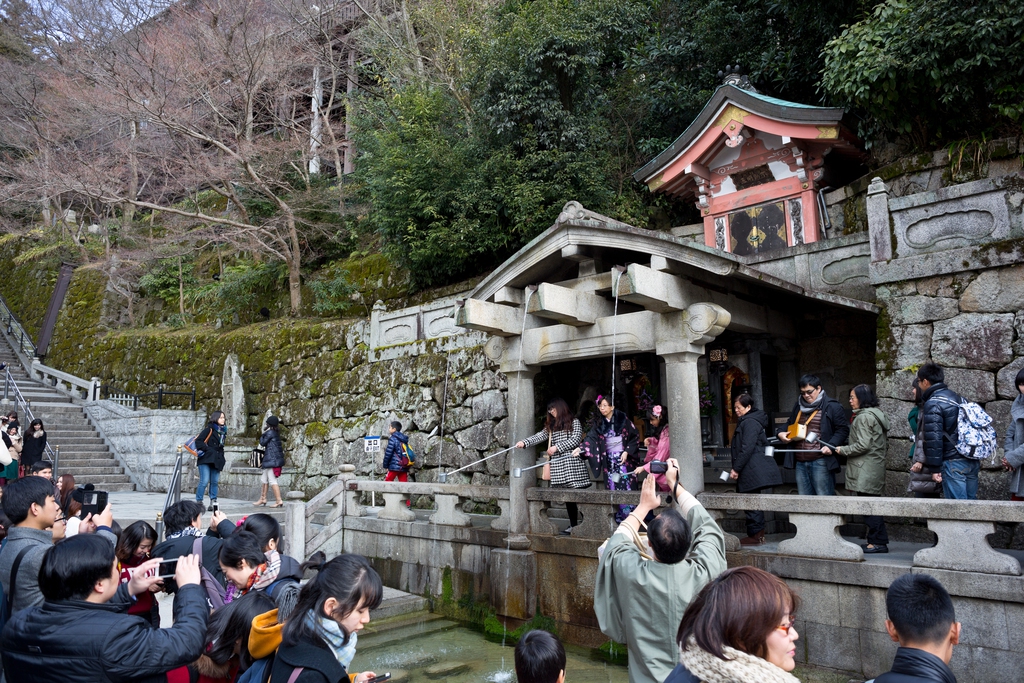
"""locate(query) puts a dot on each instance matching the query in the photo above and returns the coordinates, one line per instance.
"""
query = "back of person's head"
(349, 579)
(239, 547)
(181, 515)
(229, 627)
(396, 425)
(132, 537)
(540, 658)
(20, 494)
(739, 609)
(865, 396)
(71, 568)
(265, 528)
(809, 380)
(920, 609)
(932, 372)
(669, 535)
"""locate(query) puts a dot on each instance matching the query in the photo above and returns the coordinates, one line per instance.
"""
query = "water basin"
(449, 651)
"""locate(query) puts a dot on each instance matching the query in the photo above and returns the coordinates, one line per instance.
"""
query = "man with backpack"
(940, 415)
(183, 523)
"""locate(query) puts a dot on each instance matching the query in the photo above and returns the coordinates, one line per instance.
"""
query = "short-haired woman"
(752, 471)
(739, 628)
(865, 459)
(563, 434)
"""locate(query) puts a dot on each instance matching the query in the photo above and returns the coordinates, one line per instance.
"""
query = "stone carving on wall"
(702, 322)
(841, 270)
(953, 217)
(575, 213)
(233, 394)
(796, 219)
(720, 231)
(958, 226)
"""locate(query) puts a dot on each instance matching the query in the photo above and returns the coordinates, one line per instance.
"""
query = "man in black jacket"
(183, 523)
(827, 426)
(82, 631)
(922, 620)
(939, 417)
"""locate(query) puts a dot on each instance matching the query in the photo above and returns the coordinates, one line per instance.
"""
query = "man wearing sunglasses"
(818, 424)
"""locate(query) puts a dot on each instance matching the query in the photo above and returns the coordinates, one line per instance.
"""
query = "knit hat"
(273, 421)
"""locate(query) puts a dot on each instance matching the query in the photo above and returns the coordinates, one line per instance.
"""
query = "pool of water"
(446, 650)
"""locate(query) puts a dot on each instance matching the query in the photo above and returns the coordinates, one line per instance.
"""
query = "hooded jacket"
(393, 452)
(748, 443)
(865, 465)
(939, 417)
(77, 640)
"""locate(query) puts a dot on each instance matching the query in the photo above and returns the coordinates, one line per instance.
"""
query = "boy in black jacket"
(922, 620)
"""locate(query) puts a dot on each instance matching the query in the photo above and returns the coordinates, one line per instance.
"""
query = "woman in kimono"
(621, 442)
(563, 434)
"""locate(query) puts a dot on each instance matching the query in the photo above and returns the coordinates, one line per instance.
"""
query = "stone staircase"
(83, 453)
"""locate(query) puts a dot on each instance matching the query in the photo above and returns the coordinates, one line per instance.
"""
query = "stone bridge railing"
(961, 526)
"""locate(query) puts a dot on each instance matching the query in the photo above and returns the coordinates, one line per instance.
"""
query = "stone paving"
(133, 505)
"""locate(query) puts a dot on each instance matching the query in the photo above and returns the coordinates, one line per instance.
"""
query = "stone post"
(295, 524)
(684, 417)
(878, 221)
(521, 425)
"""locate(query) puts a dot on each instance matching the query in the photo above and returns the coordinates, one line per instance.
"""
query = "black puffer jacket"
(32, 449)
(939, 417)
(211, 450)
(182, 545)
(317, 663)
(917, 666)
(748, 443)
(274, 457)
(81, 641)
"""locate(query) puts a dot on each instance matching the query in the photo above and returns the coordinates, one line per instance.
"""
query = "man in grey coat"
(30, 505)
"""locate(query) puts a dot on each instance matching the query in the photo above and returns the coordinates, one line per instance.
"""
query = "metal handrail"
(128, 399)
(23, 404)
(174, 485)
(16, 329)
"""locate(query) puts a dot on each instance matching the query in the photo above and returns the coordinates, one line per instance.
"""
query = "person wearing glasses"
(739, 628)
(817, 426)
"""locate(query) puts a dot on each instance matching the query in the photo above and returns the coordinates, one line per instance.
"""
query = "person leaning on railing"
(640, 601)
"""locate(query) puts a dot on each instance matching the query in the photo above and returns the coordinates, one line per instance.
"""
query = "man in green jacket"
(640, 602)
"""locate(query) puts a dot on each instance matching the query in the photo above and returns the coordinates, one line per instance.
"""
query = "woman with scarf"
(33, 447)
(1013, 445)
(246, 567)
(319, 640)
(619, 442)
(132, 549)
(285, 590)
(658, 446)
(739, 629)
(563, 435)
(210, 460)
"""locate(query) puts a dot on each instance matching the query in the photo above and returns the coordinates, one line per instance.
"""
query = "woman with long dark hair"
(320, 636)
(227, 640)
(865, 464)
(620, 443)
(210, 460)
(563, 434)
(132, 549)
(34, 446)
(739, 629)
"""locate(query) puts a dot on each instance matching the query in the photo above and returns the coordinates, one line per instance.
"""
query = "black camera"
(93, 502)
(659, 467)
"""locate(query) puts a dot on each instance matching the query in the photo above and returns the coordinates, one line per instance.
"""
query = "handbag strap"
(295, 674)
(9, 607)
(809, 418)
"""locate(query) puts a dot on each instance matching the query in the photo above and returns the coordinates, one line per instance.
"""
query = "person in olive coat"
(865, 465)
(210, 460)
(752, 471)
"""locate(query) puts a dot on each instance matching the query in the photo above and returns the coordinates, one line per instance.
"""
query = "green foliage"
(162, 280)
(332, 292)
(240, 289)
(930, 69)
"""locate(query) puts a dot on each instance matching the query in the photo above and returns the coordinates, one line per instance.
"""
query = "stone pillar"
(878, 221)
(684, 417)
(521, 425)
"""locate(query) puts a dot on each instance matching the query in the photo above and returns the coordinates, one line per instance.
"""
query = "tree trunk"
(181, 290)
(294, 265)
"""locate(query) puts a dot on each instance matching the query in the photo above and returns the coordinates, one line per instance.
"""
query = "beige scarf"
(741, 667)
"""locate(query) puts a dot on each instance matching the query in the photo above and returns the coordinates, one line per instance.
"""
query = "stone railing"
(960, 525)
(87, 389)
(345, 493)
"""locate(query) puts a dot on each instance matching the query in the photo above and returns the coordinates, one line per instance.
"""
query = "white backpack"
(976, 437)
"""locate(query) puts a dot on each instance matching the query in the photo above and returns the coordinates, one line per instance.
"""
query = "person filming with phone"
(82, 630)
(640, 595)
